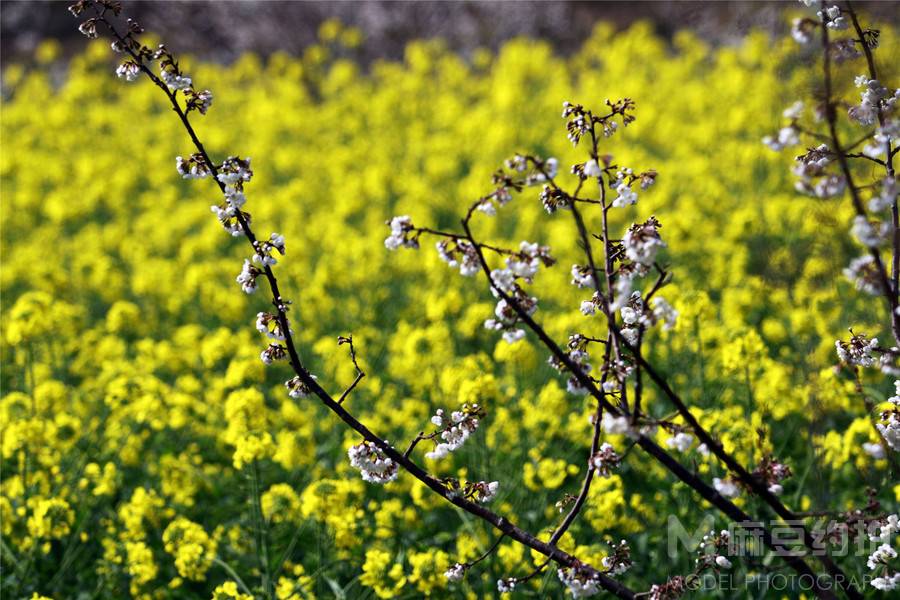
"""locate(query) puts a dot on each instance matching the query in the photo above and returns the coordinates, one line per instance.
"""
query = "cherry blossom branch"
(635, 351)
(744, 476)
(888, 164)
(711, 495)
(524, 316)
(888, 289)
(504, 525)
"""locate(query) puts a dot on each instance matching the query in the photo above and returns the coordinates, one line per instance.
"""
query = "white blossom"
(787, 136)
(830, 186)
(373, 465)
(400, 227)
(863, 272)
(175, 81)
(868, 234)
(605, 460)
(525, 265)
(884, 135)
(833, 18)
(895, 399)
(461, 254)
(582, 276)
(889, 528)
(726, 487)
(890, 430)
(263, 255)
(802, 30)
(626, 196)
(886, 583)
(453, 436)
(619, 561)
(609, 128)
(663, 312)
(487, 207)
(269, 325)
(723, 562)
(191, 168)
(297, 388)
(235, 198)
(629, 315)
(581, 359)
(128, 70)
(681, 441)
(455, 573)
(873, 449)
(551, 166)
(247, 277)
(866, 112)
(887, 197)
(579, 582)
(642, 242)
(272, 353)
(88, 28)
(881, 556)
(235, 170)
(511, 336)
(858, 351)
(504, 280)
(616, 425)
(794, 111)
(489, 492)
(202, 101)
(623, 289)
(592, 169)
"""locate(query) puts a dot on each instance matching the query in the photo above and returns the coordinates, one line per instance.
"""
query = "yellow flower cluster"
(51, 519)
(280, 504)
(229, 591)
(382, 573)
(299, 586)
(191, 546)
(147, 452)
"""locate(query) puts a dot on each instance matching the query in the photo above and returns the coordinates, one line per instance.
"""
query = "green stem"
(262, 545)
(233, 574)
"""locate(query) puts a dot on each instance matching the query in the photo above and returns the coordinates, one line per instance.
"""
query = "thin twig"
(359, 372)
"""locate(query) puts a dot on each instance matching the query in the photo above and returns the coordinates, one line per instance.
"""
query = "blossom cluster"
(882, 559)
(454, 431)
(372, 464)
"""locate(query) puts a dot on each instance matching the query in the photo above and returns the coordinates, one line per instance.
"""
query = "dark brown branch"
(487, 553)
(359, 372)
(866, 157)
